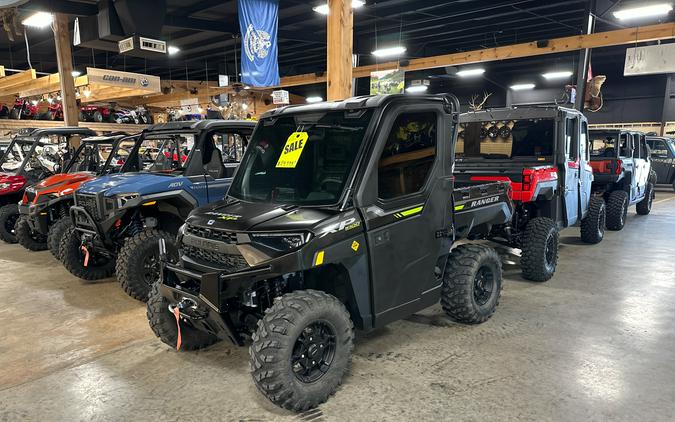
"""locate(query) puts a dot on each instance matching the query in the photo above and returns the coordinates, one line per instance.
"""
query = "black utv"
(663, 159)
(340, 215)
(543, 153)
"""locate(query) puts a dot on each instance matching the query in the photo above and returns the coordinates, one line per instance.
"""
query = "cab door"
(407, 194)
(571, 170)
(662, 159)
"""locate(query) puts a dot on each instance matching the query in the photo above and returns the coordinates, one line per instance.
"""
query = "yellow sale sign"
(292, 150)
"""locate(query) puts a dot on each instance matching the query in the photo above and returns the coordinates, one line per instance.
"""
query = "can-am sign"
(123, 79)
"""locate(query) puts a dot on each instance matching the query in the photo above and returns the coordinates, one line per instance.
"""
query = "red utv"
(99, 114)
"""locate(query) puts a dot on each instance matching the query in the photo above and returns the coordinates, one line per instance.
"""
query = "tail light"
(619, 166)
(527, 181)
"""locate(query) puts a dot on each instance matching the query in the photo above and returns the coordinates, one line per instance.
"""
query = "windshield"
(604, 144)
(511, 139)
(303, 159)
(90, 157)
(159, 153)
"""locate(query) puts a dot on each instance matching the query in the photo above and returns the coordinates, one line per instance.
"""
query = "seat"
(215, 168)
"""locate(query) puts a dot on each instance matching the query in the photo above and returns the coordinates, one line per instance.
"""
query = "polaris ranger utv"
(33, 155)
(44, 207)
(543, 153)
(623, 173)
(341, 214)
(663, 159)
(118, 219)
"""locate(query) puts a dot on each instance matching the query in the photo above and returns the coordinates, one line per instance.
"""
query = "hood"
(241, 216)
(143, 183)
(62, 184)
(10, 183)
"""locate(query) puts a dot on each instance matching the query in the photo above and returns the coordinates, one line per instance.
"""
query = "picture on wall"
(387, 82)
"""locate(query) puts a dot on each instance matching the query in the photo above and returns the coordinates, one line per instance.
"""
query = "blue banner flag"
(258, 22)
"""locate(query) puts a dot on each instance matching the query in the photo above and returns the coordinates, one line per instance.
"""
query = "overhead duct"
(144, 18)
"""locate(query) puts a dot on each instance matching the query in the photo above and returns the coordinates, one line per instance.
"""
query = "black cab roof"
(198, 125)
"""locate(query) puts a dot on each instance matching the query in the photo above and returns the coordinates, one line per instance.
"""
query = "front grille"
(229, 263)
(89, 203)
(212, 234)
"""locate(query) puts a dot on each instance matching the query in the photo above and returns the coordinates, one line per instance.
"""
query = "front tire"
(472, 284)
(138, 262)
(539, 257)
(163, 324)
(56, 233)
(9, 215)
(27, 238)
(644, 207)
(593, 226)
(98, 268)
(617, 210)
(302, 349)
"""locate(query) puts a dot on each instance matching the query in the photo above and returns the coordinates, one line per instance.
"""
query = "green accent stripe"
(413, 211)
(459, 207)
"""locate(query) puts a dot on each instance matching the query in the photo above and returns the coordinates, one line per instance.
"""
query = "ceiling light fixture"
(313, 100)
(558, 75)
(643, 11)
(390, 51)
(471, 72)
(416, 89)
(522, 87)
(324, 9)
(38, 20)
(173, 50)
(75, 73)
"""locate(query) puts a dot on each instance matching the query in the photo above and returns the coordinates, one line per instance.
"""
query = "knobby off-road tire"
(472, 284)
(9, 215)
(138, 262)
(56, 233)
(617, 210)
(28, 239)
(163, 324)
(644, 207)
(73, 259)
(593, 226)
(539, 256)
(303, 329)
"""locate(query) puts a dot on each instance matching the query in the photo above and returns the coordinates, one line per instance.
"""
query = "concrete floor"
(595, 343)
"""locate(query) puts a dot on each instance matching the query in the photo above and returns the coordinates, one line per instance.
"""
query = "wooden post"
(65, 63)
(340, 45)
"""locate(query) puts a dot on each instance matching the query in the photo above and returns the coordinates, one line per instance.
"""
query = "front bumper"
(38, 215)
(213, 288)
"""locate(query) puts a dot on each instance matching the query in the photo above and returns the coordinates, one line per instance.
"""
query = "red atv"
(99, 114)
(33, 155)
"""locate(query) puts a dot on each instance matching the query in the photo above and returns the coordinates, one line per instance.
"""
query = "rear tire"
(163, 324)
(644, 207)
(617, 210)
(73, 259)
(138, 262)
(98, 117)
(56, 233)
(28, 239)
(593, 226)
(539, 257)
(472, 284)
(302, 349)
(9, 215)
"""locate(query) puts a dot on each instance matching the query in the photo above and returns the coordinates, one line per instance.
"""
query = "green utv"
(340, 215)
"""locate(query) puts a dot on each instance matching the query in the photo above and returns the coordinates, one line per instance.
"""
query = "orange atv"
(44, 207)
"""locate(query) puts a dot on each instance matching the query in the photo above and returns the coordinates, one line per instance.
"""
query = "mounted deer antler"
(478, 107)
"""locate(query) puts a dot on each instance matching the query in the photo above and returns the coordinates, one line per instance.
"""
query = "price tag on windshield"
(292, 150)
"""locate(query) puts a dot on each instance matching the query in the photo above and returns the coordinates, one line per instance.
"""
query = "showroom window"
(408, 155)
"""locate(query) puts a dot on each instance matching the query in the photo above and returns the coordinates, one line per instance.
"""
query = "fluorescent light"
(87, 92)
(558, 75)
(173, 50)
(312, 100)
(522, 87)
(417, 89)
(324, 9)
(390, 51)
(75, 73)
(643, 11)
(38, 20)
(471, 72)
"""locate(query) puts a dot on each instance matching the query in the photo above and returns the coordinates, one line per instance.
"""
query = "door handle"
(382, 238)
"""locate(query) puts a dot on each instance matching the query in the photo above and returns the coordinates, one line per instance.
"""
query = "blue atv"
(170, 170)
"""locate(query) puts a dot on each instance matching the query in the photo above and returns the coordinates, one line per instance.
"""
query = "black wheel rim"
(10, 223)
(151, 268)
(313, 352)
(550, 250)
(483, 285)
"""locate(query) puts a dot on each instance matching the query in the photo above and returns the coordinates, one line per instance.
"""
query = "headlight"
(124, 198)
(4, 185)
(281, 241)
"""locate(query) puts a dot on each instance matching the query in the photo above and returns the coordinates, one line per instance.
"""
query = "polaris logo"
(486, 201)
